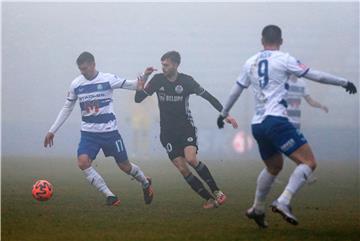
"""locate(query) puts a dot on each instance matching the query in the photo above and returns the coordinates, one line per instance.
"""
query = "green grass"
(327, 210)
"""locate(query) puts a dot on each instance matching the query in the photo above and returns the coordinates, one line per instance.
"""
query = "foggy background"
(41, 41)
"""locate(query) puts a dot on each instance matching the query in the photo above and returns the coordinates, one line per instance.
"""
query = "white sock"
(297, 180)
(136, 173)
(97, 181)
(264, 182)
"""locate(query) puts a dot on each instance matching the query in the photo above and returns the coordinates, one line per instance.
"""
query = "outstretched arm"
(315, 103)
(224, 115)
(325, 78)
(212, 100)
(235, 93)
(233, 97)
(61, 118)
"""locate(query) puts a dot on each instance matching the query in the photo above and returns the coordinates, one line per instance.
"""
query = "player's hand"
(231, 120)
(220, 121)
(350, 87)
(49, 139)
(140, 83)
(324, 108)
(149, 70)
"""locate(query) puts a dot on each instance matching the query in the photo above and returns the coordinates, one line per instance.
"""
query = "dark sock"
(205, 174)
(197, 186)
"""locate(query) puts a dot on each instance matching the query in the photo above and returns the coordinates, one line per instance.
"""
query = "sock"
(136, 173)
(296, 181)
(197, 186)
(264, 183)
(205, 174)
(97, 181)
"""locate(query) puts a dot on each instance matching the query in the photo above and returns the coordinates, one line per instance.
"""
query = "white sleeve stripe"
(146, 92)
(202, 92)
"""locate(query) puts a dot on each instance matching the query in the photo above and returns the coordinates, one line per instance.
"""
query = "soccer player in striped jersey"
(99, 130)
(297, 91)
(178, 132)
(268, 72)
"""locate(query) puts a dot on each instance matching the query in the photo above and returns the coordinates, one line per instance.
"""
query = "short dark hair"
(173, 56)
(85, 57)
(271, 34)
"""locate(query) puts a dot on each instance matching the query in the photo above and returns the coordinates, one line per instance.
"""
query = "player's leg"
(89, 147)
(95, 179)
(135, 171)
(181, 164)
(115, 147)
(265, 180)
(292, 143)
(274, 162)
(306, 164)
(203, 171)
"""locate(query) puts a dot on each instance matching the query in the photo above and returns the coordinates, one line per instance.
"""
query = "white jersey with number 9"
(268, 73)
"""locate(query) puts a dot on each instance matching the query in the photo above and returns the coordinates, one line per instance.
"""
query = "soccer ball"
(42, 190)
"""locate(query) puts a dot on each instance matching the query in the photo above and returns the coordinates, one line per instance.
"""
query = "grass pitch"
(327, 210)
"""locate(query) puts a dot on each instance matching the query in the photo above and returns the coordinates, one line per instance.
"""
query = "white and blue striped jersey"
(96, 103)
(268, 73)
(297, 91)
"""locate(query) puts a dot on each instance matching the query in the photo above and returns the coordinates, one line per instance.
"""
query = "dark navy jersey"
(173, 99)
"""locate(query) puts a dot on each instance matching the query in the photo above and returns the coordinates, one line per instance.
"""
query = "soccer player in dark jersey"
(178, 133)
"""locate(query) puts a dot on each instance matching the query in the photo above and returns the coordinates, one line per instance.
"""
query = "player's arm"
(235, 93)
(217, 105)
(142, 92)
(315, 103)
(210, 98)
(61, 118)
(326, 78)
(121, 83)
(300, 70)
(242, 82)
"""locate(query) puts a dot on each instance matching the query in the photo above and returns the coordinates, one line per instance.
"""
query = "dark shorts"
(111, 144)
(277, 135)
(175, 140)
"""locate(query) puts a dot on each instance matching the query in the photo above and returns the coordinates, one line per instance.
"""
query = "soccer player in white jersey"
(298, 90)
(268, 72)
(94, 91)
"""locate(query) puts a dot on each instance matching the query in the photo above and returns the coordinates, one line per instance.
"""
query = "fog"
(41, 41)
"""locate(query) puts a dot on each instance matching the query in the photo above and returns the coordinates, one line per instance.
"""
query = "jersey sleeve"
(117, 82)
(152, 86)
(243, 79)
(71, 95)
(194, 87)
(295, 67)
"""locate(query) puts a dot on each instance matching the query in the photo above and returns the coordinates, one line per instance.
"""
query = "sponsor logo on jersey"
(91, 96)
(179, 89)
(174, 98)
(170, 98)
(100, 87)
